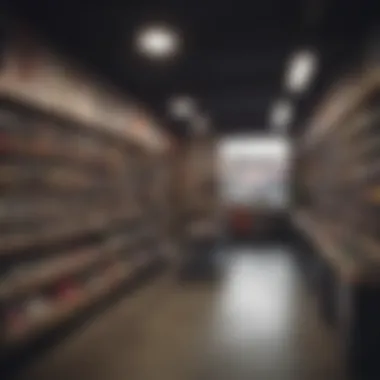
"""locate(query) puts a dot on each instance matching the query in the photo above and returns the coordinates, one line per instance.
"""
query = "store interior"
(189, 191)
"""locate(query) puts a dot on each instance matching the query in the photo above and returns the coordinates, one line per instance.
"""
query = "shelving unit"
(342, 178)
(338, 194)
(82, 211)
(198, 202)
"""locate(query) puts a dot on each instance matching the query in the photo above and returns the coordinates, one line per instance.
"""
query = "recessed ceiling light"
(158, 41)
(281, 115)
(300, 72)
(182, 107)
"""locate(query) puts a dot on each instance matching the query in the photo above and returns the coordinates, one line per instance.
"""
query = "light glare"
(301, 70)
(281, 116)
(158, 42)
(181, 107)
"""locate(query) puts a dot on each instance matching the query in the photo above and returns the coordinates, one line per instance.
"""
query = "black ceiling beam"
(229, 104)
(219, 86)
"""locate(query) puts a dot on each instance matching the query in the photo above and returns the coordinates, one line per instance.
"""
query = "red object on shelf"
(241, 221)
(67, 289)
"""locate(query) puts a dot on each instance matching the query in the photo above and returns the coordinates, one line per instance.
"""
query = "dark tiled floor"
(256, 322)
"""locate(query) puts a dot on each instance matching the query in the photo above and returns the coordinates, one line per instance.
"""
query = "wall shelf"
(77, 218)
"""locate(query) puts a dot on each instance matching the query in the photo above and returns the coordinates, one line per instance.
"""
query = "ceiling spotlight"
(158, 42)
(281, 116)
(300, 72)
(181, 107)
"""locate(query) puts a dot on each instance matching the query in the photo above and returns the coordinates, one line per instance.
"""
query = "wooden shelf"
(73, 201)
(202, 229)
(48, 273)
(68, 231)
(348, 268)
(51, 151)
(63, 311)
(60, 180)
(66, 264)
(339, 177)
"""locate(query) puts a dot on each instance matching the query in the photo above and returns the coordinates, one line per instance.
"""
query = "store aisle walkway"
(256, 322)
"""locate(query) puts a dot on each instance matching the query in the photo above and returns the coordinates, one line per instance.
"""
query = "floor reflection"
(264, 323)
(256, 321)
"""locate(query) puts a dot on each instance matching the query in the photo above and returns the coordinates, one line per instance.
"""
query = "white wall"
(253, 170)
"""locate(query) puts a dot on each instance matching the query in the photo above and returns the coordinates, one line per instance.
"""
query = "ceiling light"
(181, 107)
(300, 72)
(281, 115)
(157, 42)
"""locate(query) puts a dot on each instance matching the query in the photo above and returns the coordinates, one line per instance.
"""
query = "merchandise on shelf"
(77, 216)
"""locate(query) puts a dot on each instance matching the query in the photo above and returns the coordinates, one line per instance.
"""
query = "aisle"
(257, 322)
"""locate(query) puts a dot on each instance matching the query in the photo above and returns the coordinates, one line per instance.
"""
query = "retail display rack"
(81, 212)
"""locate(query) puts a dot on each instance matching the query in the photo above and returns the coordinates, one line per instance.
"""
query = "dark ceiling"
(234, 54)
